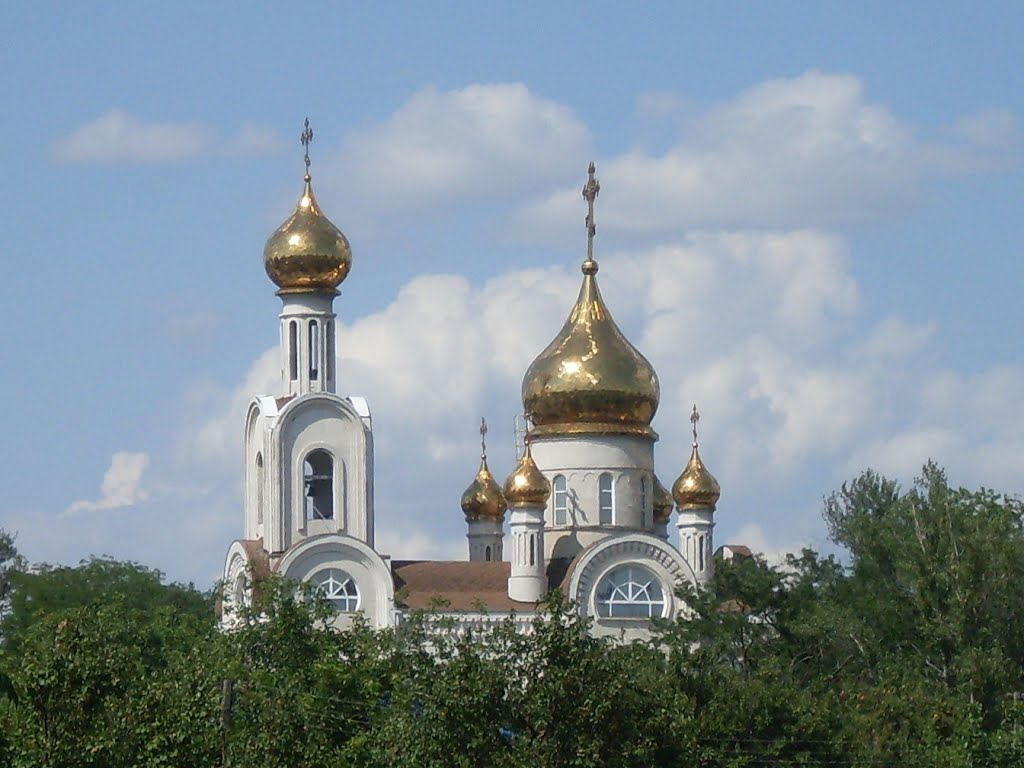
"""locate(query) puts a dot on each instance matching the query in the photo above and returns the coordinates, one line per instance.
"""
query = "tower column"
(308, 352)
(484, 507)
(696, 493)
(528, 582)
(527, 492)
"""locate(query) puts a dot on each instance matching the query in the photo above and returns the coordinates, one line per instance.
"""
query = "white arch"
(368, 569)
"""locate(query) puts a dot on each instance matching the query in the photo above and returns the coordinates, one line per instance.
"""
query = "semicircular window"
(630, 592)
(340, 588)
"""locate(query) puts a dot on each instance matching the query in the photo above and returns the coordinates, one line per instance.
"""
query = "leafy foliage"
(909, 650)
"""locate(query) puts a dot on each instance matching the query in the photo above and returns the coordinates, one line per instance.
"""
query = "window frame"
(560, 511)
(630, 591)
(343, 593)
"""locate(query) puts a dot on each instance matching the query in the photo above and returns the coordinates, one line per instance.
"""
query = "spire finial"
(483, 439)
(590, 191)
(306, 139)
(694, 418)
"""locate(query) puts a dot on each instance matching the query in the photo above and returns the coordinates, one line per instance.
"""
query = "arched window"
(318, 485)
(314, 350)
(293, 350)
(560, 499)
(487, 553)
(259, 488)
(605, 498)
(241, 591)
(630, 592)
(338, 587)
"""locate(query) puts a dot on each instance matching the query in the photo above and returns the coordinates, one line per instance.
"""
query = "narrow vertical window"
(532, 555)
(487, 554)
(560, 500)
(605, 498)
(314, 350)
(643, 501)
(700, 551)
(293, 350)
(330, 350)
(318, 484)
(259, 488)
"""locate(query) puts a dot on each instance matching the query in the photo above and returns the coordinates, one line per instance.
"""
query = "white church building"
(583, 511)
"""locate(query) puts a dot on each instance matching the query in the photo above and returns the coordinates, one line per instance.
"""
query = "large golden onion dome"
(662, 503)
(527, 486)
(307, 254)
(483, 499)
(696, 487)
(590, 378)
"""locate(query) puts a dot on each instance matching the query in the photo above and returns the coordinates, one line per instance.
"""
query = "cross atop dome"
(590, 192)
(306, 138)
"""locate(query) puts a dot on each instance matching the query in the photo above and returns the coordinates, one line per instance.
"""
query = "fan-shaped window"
(560, 499)
(318, 485)
(606, 498)
(338, 587)
(630, 592)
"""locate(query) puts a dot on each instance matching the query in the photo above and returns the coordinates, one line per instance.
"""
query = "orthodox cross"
(590, 190)
(483, 439)
(694, 418)
(306, 139)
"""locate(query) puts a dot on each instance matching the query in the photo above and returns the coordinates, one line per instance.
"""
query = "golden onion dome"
(307, 254)
(527, 486)
(483, 499)
(590, 378)
(662, 502)
(696, 488)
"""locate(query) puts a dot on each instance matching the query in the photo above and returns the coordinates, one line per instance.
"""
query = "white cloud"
(756, 317)
(119, 136)
(121, 487)
(808, 151)
(486, 142)
(254, 139)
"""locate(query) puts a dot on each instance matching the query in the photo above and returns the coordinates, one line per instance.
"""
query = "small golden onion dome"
(527, 485)
(590, 374)
(483, 500)
(696, 488)
(307, 254)
(662, 502)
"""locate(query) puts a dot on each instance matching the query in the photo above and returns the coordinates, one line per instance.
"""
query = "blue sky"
(809, 222)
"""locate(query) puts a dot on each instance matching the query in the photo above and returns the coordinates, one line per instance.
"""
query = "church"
(583, 511)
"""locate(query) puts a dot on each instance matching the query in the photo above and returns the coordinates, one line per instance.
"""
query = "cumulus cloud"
(484, 142)
(119, 136)
(808, 151)
(121, 487)
(754, 314)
